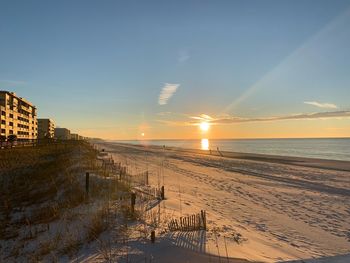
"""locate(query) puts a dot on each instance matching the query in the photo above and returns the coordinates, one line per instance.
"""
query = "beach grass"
(45, 209)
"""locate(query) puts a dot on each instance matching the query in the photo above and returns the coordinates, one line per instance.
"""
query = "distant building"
(74, 136)
(18, 118)
(46, 128)
(62, 134)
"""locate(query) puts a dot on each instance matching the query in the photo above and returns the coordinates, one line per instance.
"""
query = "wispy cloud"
(167, 92)
(202, 117)
(322, 105)
(303, 116)
(193, 120)
(222, 120)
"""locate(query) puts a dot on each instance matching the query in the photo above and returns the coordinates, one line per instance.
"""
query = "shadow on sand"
(176, 247)
(193, 240)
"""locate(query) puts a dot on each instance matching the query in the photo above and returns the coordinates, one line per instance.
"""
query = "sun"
(204, 126)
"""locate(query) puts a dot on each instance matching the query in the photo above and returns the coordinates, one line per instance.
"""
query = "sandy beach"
(259, 208)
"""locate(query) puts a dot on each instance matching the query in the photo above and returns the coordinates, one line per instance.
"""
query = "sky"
(156, 69)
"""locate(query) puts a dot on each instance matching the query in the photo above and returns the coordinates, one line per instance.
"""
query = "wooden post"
(203, 217)
(204, 220)
(153, 236)
(133, 201)
(162, 193)
(87, 183)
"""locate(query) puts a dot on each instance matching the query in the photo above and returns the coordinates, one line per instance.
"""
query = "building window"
(11, 131)
(2, 130)
(11, 115)
(11, 123)
(3, 122)
(3, 113)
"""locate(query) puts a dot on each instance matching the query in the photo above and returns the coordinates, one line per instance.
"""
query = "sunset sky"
(120, 69)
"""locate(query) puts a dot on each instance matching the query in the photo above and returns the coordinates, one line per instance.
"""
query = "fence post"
(87, 182)
(153, 236)
(162, 196)
(133, 201)
(204, 219)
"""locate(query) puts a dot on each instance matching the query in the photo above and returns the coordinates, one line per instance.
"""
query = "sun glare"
(205, 144)
(204, 126)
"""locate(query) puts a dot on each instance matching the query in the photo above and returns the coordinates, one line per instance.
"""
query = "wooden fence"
(111, 168)
(138, 182)
(150, 191)
(189, 223)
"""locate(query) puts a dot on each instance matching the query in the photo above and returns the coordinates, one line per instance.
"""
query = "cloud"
(322, 105)
(226, 120)
(167, 92)
(303, 116)
(202, 117)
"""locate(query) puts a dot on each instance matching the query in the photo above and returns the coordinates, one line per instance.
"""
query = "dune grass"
(44, 208)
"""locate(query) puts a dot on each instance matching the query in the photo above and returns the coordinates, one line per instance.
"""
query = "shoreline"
(329, 164)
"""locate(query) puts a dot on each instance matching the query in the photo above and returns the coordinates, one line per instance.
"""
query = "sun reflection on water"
(205, 144)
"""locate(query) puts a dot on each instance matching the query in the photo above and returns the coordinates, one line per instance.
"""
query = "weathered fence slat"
(189, 223)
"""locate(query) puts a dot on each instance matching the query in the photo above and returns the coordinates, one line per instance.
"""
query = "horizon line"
(259, 138)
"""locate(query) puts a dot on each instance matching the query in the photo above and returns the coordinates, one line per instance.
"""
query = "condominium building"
(74, 136)
(46, 128)
(62, 134)
(18, 118)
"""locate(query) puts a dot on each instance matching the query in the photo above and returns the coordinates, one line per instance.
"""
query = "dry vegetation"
(44, 210)
(46, 214)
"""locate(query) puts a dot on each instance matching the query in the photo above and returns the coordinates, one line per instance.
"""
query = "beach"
(259, 208)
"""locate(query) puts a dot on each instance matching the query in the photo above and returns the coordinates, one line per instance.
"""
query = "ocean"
(322, 148)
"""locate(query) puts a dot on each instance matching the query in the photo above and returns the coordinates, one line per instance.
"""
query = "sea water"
(322, 148)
